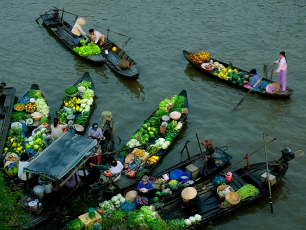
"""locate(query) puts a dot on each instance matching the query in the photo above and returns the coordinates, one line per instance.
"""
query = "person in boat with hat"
(77, 30)
(95, 132)
(282, 70)
(256, 79)
(191, 200)
(145, 187)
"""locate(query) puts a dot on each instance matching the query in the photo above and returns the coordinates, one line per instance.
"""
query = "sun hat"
(78, 127)
(273, 88)
(189, 193)
(145, 178)
(81, 21)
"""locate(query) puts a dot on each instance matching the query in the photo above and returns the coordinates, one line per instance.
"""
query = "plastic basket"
(223, 186)
(175, 174)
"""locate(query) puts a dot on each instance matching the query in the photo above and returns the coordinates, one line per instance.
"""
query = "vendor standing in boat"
(95, 132)
(282, 70)
(77, 30)
(191, 200)
(96, 37)
(57, 128)
(256, 79)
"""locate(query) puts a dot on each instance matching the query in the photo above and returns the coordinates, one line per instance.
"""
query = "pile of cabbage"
(193, 219)
(110, 206)
(85, 104)
(42, 107)
(161, 143)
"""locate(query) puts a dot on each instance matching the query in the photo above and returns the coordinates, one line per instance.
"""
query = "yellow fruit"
(114, 49)
(77, 108)
(12, 139)
(66, 104)
(14, 145)
(18, 149)
(5, 149)
(36, 147)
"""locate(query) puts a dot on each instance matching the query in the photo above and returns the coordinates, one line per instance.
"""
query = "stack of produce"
(87, 49)
(149, 131)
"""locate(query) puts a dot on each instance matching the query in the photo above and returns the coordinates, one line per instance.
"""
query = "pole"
(268, 174)
(108, 30)
(203, 157)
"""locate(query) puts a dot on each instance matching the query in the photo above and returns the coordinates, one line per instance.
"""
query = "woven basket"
(232, 198)
(273, 88)
(223, 186)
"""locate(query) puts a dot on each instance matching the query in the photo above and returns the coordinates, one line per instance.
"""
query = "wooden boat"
(200, 167)
(32, 113)
(137, 157)
(213, 206)
(78, 117)
(56, 176)
(111, 57)
(7, 97)
(263, 91)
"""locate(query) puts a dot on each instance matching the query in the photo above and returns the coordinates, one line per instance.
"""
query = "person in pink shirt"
(282, 70)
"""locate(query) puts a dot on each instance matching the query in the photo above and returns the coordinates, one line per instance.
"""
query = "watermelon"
(151, 136)
(158, 193)
(174, 188)
(155, 199)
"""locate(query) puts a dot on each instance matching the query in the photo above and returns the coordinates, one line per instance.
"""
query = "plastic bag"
(219, 180)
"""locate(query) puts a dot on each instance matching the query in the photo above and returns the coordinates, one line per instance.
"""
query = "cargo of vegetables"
(71, 90)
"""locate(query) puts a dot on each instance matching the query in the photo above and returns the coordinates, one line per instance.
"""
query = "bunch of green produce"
(86, 84)
(17, 116)
(71, 90)
(62, 114)
(34, 94)
(246, 191)
(87, 50)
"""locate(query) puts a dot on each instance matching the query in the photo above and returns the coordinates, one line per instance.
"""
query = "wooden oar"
(108, 30)
(244, 97)
(268, 174)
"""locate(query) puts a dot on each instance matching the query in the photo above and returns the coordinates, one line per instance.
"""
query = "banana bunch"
(204, 55)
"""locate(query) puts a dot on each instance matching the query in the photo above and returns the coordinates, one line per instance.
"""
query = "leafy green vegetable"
(86, 84)
(34, 94)
(87, 50)
(71, 90)
(16, 116)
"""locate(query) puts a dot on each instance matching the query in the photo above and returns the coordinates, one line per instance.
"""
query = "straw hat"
(273, 88)
(78, 127)
(189, 193)
(81, 21)
(107, 115)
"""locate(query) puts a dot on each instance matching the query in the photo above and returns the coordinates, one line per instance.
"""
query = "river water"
(250, 34)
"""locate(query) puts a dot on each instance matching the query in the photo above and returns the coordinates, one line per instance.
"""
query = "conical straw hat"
(189, 193)
(273, 88)
(81, 21)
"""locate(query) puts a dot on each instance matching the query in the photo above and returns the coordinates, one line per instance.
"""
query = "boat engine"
(287, 154)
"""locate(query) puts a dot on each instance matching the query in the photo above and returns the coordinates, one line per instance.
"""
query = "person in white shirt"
(96, 37)
(282, 70)
(77, 30)
(116, 167)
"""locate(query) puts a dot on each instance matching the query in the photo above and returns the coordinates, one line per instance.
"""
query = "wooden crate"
(87, 221)
(272, 179)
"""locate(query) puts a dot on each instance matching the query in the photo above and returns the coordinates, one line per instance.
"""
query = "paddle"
(268, 174)
(108, 30)
(240, 102)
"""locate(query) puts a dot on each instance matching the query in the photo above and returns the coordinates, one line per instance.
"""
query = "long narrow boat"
(231, 81)
(54, 20)
(247, 184)
(54, 176)
(30, 115)
(143, 152)
(78, 104)
(7, 97)
(199, 168)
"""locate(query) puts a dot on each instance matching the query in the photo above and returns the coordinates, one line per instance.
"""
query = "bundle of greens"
(86, 84)
(71, 90)
(246, 191)
(87, 50)
(34, 94)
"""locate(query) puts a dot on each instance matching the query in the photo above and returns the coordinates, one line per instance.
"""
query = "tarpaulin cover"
(61, 156)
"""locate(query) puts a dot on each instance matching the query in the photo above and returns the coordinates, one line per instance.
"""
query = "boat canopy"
(61, 156)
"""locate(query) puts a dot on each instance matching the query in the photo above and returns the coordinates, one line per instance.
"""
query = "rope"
(300, 154)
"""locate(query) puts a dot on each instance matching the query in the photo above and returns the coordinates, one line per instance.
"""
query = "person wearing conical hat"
(191, 200)
(77, 30)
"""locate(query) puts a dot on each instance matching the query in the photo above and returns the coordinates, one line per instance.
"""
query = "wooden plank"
(237, 179)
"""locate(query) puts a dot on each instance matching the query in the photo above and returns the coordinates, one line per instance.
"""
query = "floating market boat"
(235, 77)
(169, 183)
(30, 115)
(53, 178)
(7, 97)
(109, 53)
(76, 107)
(148, 145)
(243, 186)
